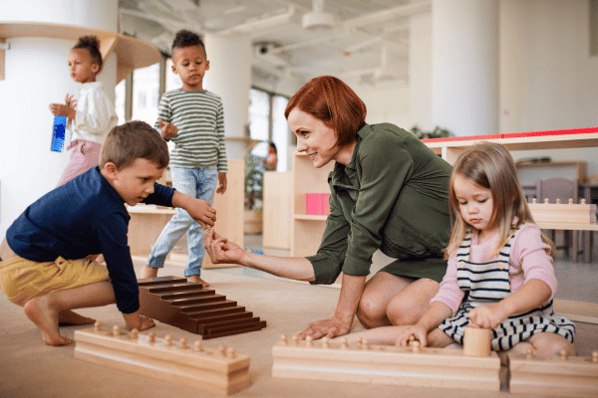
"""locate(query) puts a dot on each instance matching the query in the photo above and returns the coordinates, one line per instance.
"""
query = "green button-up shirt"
(393, 196)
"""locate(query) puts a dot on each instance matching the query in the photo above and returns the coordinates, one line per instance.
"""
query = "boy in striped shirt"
(193, 118)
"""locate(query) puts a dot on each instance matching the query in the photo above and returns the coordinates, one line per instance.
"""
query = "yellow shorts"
(22, 280)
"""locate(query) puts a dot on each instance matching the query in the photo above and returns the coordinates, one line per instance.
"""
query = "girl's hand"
(417, 331)
(488, 316)
(222, 250)
(70, 102)
(169, 130)
(62, 110)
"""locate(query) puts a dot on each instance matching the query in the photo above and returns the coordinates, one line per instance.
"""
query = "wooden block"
(378, 364)
(477, 342)
(191, 307)
(559, 376)
(219, 371)
(563, 213)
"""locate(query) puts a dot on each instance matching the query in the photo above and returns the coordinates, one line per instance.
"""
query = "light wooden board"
(378, 364)
(570, 377)
(214, 370)
(277, 210)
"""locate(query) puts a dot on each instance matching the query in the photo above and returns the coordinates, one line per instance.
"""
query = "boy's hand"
(487, 316)
(137, 321)
(221, 183)
(146, 322)
(169, 130)
(202, 212)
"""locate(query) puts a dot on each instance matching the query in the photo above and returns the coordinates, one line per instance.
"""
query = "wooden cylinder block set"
(191, 307)
(222, 371)
(475, 367)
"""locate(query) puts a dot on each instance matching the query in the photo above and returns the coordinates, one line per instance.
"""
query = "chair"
(562, 189)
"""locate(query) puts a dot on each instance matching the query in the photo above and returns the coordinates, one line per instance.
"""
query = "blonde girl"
(91, 117)
(499, 273)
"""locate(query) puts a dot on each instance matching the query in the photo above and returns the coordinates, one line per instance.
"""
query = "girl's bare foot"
(69, 317)
(148, 272)
(197, 279)
(41, 313)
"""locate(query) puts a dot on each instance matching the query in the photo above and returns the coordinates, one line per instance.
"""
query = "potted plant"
(254, 193)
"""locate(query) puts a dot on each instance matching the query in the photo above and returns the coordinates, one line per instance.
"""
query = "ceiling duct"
(318, 20)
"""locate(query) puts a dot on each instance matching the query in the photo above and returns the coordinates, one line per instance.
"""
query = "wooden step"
(189, 306)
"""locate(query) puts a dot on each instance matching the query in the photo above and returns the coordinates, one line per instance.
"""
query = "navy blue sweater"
(82, 217)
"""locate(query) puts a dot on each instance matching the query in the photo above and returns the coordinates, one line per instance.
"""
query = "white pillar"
(230, 78)
(36, 74)
(420, 70)
(465, 66)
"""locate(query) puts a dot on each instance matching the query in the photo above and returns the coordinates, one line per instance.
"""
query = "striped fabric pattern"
(488, 283)
(199, 117)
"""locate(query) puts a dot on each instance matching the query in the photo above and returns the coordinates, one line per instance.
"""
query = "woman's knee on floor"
(371, 311)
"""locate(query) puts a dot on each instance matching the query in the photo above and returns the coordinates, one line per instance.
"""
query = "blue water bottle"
(58, 133)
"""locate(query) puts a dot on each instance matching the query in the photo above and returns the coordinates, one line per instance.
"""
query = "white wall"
(548, 79)
(36, 74)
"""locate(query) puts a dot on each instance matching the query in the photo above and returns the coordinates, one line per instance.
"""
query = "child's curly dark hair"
(92, 44)
(186, 38)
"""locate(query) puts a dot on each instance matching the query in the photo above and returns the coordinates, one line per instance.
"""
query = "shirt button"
(461, 265)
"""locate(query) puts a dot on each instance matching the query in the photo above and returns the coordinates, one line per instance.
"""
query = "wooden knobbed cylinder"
(476, 342)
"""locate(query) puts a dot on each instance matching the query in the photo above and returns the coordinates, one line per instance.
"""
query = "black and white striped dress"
(488, 283)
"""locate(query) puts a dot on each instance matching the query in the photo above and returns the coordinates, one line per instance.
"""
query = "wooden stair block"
(193, 308)
(221, 371)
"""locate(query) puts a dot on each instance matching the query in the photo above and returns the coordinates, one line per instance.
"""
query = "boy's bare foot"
(41, 313)
(197, 279)
(148, 272)
(69, 317)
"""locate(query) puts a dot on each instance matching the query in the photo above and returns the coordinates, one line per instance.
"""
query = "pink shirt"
(527, 253)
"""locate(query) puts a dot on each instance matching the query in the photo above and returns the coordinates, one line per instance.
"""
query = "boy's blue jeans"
(199, 183)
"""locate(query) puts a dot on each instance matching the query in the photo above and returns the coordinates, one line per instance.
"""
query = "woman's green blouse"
(393, 196)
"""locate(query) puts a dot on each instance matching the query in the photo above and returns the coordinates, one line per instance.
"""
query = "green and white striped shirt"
(199, 118)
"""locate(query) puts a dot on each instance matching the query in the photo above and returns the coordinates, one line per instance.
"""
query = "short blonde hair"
(490, 165)
(134, 140)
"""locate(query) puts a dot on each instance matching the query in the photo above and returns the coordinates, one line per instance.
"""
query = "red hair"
(334, 103)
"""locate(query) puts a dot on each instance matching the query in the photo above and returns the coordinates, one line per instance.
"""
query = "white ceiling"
(368, 41)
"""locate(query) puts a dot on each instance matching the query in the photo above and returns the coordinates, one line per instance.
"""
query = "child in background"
(271, 160)
(45, 261)
(193, 118)
(499, 260)
(91, 117)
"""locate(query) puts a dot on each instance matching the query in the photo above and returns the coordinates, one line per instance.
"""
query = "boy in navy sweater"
(48, 255)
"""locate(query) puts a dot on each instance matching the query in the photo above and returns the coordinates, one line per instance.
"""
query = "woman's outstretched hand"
(221, 250)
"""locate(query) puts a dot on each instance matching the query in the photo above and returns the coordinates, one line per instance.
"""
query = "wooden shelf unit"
(131, 53)
(307, 230)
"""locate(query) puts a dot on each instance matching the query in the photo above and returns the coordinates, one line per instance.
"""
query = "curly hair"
(91, 44)
(186, 38)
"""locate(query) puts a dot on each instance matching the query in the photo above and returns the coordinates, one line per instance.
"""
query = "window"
(146, 91)
(267, 123)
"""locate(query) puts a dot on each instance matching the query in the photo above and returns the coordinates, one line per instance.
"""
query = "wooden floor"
(30, 368)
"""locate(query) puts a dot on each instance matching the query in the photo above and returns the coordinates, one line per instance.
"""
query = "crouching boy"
(47, 259)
